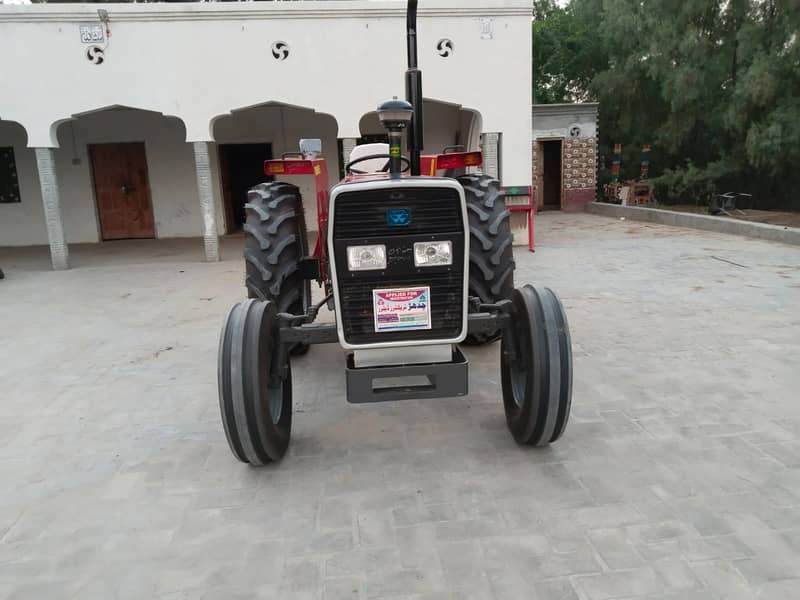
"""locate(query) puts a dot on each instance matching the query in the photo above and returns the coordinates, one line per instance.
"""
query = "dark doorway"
(551, 174)
(241, 167)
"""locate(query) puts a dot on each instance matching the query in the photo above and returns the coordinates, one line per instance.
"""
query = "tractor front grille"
(446, 308)
(433, 210)
(360, 218)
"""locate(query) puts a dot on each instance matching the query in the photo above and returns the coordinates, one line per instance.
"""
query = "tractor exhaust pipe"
(413, 88)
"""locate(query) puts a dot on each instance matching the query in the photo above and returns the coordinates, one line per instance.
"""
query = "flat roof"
(206, 11)
(566, 105)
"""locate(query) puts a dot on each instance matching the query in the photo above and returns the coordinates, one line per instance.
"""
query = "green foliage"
(566, 54)
(542, 9)
(713, 85)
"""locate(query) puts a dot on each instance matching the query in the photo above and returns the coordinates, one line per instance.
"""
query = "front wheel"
(255, 393)
(536, 367)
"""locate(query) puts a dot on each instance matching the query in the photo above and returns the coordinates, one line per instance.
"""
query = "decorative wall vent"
(445, 48)
(280, 50)
(95, 55)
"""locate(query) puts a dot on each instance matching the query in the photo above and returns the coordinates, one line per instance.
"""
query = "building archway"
(126, 173)
(446, 124)
(247, 137)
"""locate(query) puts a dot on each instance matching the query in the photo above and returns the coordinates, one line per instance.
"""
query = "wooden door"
(122, 190)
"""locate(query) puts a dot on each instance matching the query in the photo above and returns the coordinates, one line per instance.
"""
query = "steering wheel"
(403, 159)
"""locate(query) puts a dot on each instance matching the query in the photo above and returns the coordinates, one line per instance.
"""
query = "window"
(9, 183)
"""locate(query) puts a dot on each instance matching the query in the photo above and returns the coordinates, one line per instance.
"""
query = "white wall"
(555, 120)
(198, 61)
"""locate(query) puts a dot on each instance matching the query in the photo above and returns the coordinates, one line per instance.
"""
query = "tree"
(566, 53)
(542, 9)
(714, 85)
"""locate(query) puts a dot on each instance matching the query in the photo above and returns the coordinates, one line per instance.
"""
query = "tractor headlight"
(366, 258)
(433, 254)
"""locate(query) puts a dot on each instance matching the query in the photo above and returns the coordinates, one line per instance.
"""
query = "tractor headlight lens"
(366, 258)
(433, 254)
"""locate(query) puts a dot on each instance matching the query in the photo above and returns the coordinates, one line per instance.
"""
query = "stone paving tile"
(724, 580)
(614, 547)
(621, 584)
(678, 477)
(342, 588)
(724, 547)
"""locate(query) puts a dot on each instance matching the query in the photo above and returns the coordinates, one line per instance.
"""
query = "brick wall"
(579, 172)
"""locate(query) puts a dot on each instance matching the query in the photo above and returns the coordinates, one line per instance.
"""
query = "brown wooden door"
(122, 190)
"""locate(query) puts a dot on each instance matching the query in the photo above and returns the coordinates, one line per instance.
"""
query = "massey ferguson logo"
(397, 217)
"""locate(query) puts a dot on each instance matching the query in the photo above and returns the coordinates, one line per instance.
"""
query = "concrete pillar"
(347, 148)
(490, 142)
(207, 205)
(48, 181)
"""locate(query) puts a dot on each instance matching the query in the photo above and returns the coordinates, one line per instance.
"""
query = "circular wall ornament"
(445, 47)
(95, 55)
(280, 50)
(575, 131)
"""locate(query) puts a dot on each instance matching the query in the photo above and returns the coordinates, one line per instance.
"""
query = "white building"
(151, 120)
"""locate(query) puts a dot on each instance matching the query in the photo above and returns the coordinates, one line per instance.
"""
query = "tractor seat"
(370, 166)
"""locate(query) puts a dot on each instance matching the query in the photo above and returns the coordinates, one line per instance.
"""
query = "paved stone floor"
(678, 476)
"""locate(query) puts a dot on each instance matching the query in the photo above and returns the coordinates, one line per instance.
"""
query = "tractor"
(415, 257)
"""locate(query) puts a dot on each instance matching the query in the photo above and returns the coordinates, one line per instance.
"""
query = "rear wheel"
(491, 256)
(536, 367)
(256, 407)
(275, 243)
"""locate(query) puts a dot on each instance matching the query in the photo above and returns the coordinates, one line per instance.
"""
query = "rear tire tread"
(250, 206)
(486, 243)
(275, 243)
(263, 241)
(273, 228)
(498, 286)
(482, 214)
(252, 259)
(491, 254)
(274, 256)
(280, 200)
